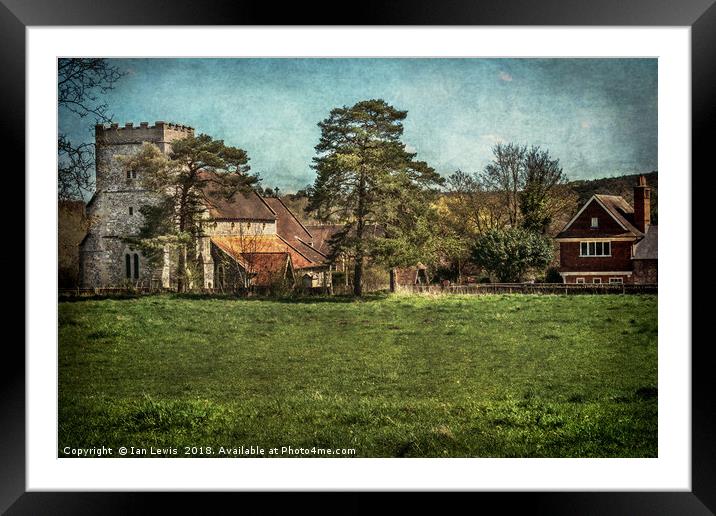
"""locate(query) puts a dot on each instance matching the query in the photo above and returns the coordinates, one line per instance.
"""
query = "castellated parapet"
(114, 140)
(160, 133)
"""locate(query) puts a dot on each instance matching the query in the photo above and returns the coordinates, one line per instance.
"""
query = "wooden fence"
(531, 288)
(474, 288)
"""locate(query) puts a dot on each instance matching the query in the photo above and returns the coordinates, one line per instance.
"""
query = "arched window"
(136, 265)
(128, 263)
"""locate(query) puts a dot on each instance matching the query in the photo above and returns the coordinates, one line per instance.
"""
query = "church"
(248, 241)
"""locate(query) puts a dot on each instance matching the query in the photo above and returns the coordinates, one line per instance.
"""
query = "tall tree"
(506, 175)
(367, 179)
(198, 172)
(80, 86)
(541, 196)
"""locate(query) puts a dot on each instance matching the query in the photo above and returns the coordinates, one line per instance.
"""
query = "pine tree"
(367, 180)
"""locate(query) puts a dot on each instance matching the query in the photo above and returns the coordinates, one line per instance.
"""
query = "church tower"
(105, 258)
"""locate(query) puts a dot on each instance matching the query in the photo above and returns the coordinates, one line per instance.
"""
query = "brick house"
(609, 241)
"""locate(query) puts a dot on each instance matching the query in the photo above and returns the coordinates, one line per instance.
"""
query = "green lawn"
(412, 376)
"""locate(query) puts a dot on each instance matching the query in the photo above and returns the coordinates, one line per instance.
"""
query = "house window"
(131, 174)
(616, 280)
(595, 222)
(596, 280)
(595, 249)
(580, 280)
(131, 210)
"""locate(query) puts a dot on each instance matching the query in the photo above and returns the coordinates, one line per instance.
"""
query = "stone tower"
(105, 258)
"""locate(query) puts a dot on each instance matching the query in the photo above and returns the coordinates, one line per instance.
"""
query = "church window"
(136, 265)
(131, 210)
(128, 263)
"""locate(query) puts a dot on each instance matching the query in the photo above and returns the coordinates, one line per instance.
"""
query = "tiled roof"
(236, 246)
(292, 231)
(287, 225)
(241, 206)
(648, 247)
(268, 268)
(322, 234)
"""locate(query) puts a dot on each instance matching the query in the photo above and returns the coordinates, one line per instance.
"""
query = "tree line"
(395, 209)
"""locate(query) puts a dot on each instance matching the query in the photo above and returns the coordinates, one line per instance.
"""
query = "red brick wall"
(620, 260)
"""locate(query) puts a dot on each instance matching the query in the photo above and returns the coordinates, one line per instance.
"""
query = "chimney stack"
(642, 205)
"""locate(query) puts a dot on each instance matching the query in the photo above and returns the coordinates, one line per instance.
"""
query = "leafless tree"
(81, 84)
(506, 175)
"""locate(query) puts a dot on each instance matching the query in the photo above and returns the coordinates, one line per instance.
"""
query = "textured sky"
(598, 116)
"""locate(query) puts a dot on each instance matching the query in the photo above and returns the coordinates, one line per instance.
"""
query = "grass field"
(399, 376)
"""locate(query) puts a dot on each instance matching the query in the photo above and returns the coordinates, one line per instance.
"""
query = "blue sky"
(598, 116)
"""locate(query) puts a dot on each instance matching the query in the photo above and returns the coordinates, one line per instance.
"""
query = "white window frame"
(595, 222)
(595, 242)
(596, 281)
(580, 281)
(617, 280)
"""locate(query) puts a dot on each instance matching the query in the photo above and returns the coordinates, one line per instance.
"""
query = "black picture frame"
(700, 15)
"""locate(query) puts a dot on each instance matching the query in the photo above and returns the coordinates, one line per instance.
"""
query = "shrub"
(510, 253)
(552, 276)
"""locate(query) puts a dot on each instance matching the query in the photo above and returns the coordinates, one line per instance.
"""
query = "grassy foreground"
(402, 376)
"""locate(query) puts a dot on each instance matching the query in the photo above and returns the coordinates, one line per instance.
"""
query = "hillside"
(584, 189)
(620, 185)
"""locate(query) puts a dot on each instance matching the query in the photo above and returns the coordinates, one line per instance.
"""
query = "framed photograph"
(416, 253)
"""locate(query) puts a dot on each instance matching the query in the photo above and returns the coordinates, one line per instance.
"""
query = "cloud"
(504, 76)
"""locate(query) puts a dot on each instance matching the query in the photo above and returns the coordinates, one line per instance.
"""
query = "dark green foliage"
(412, 376)
(553, 276)
(542, 177)
(367, 180)
(198, 171)
(509, 253)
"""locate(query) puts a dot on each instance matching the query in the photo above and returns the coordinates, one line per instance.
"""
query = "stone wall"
(114, 212)
(236, 228)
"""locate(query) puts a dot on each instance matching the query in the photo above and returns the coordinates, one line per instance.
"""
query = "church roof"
(237, 246)
(267, 267)
(287, 225)
(240, 206)
(322, 234)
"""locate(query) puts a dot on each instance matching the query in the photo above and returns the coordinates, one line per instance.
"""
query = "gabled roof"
(267, 267)
(322, 234)
(648, 247)
(620, 210)
(616, 207)
(287, 225)
(236, 246)
(240, 206)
